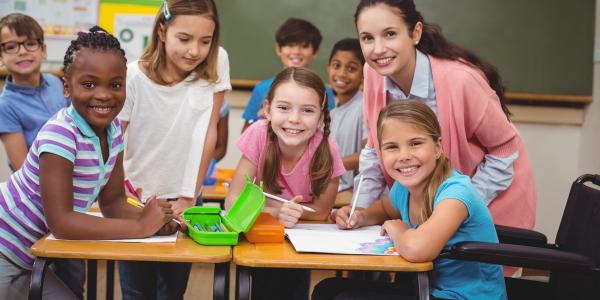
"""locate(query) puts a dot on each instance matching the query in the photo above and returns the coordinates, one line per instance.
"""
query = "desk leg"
(423, 283)
(92, 268)
(242, 283)
(36, 287)
(221, 282)
(110, 279)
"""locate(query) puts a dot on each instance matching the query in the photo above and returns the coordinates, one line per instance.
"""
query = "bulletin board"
(59, 18)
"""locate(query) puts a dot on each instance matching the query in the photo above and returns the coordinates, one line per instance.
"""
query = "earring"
(416, 43)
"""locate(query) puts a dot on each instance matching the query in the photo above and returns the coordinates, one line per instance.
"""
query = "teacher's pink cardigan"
(473, 124)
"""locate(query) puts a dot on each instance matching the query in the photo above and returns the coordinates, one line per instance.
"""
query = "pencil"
(130, 188)
(355, 197)
(285, 200)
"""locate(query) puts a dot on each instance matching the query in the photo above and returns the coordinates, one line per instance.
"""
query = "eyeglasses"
(13, 47)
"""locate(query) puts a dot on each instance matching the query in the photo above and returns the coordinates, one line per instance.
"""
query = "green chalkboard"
(539, 46)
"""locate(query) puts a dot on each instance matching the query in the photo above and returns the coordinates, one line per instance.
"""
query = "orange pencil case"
(266, 229)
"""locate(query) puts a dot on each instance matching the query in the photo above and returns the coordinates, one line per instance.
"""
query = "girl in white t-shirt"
(174, 93)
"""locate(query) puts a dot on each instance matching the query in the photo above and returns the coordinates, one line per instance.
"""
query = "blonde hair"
(420, 115)
(322, 163)
(154, 57)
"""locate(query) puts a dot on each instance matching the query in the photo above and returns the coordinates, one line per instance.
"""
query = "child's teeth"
(384, 60)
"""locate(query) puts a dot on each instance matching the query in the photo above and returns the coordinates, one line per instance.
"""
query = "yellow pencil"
(135, 202)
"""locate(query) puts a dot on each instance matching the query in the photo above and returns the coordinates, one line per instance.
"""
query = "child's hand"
(168, 228)
(290, 212)
(342, 217)
(181, 204)
(155, 214)
(333, 215)
(393, 228)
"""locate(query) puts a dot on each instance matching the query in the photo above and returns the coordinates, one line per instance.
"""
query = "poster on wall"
(133, 31)
(130, 21)
(58, 18)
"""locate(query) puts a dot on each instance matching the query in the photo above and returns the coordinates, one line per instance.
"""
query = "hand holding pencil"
(290, 212)
(156, 216)
(344, 221)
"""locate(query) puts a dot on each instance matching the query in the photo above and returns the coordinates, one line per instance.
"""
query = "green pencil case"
(206, 225)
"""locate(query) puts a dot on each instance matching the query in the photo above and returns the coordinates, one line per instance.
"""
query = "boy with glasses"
(29, 97)
(28, 100)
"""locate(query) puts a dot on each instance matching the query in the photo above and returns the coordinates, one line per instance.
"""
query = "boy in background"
(28, 100)
(345, 71)
(297, 45)
(29, 97)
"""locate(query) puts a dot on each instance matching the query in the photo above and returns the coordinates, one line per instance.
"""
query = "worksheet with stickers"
(327, 238)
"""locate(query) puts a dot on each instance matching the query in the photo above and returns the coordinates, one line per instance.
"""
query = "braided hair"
(96, 38)
(322, 162)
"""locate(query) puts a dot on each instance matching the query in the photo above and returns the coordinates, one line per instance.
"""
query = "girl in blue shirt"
(431, 207)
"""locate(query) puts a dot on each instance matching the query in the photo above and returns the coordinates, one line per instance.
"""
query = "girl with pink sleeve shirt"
(291, 153)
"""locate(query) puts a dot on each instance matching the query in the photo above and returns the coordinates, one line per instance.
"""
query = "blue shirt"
(259, 94)
(461, 279)
(26, 109)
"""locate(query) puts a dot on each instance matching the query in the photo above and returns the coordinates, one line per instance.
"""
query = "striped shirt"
(67, 135)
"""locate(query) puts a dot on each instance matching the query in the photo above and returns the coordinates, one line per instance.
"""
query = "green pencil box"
(203, 221)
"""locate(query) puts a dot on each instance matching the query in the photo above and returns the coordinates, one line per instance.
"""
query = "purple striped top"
(69, 136)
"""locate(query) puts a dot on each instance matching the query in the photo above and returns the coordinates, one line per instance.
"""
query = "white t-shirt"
(167, 129)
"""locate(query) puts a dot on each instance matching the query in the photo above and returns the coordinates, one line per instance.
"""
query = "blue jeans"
(153, 280)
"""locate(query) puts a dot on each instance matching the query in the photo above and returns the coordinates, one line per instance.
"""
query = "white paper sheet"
(153, 239)
(327, 238)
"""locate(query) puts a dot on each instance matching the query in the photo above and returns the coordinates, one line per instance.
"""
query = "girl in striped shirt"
(75, 159)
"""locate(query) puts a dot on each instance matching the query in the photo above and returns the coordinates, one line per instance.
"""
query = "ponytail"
(440, 173)
(321, 167)
(432, 42)
(271, 163)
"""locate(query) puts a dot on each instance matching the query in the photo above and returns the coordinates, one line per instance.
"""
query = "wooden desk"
(184, 250)
(212, 192)
(282, 255)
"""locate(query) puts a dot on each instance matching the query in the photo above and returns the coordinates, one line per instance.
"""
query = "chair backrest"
(579, 233)
(580, 224)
